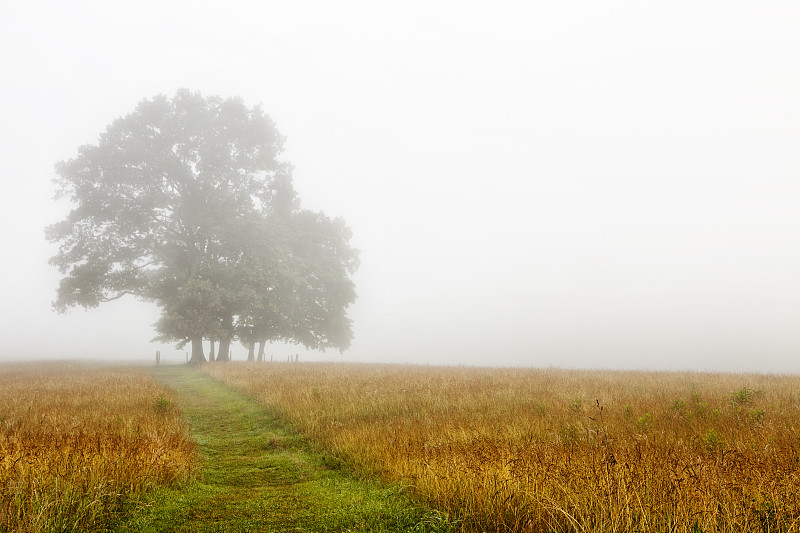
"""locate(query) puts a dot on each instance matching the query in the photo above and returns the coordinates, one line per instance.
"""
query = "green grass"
(258, 475)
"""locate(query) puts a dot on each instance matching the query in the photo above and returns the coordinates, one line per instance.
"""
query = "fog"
(577, 184)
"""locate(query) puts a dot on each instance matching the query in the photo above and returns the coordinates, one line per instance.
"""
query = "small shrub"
(644, 423)
(678, 406)
(756, 416)
(712, 441)
(743, 396)
(162, 405)
(701, 410)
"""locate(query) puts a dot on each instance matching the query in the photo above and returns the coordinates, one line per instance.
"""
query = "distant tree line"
(185, 202)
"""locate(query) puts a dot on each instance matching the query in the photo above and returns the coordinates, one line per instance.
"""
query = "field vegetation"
(258, 475)
(556, 450)
(78, 443)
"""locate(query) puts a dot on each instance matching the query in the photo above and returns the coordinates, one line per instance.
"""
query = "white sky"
(577, 183)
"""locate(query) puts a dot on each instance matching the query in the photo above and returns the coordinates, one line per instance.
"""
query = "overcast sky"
(573, 183)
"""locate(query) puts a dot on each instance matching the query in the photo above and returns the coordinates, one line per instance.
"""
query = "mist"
(582, 185)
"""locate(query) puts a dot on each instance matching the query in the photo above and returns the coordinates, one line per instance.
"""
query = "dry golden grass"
(557, 450)
(77, 442)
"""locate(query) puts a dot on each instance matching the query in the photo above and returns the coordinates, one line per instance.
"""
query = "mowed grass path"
(258, 475)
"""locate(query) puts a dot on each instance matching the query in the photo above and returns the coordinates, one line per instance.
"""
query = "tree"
(320, 288)
(296, 282)
(190, 313)
(162, 204)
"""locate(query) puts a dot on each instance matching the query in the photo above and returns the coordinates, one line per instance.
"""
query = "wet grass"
(258, 475)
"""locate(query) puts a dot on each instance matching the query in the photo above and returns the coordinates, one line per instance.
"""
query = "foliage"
(186, 202)
(743, 396)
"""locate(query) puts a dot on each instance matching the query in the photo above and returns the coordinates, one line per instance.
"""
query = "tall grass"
(557, 450)
(77, 443)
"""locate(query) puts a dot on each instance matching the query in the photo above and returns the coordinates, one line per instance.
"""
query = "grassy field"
(78, 443)
(556, 450)
(84, 448)
(168, 449)
(260, 476)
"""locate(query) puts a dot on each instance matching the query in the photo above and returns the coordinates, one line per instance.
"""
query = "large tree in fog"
(175, 205)
(294, 282)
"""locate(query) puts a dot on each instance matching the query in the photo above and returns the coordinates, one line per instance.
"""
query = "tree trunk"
(224, 350)
(251, 351)
(197, 350)
(261, 351)
(211, 350)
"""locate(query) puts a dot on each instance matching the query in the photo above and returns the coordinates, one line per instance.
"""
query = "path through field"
(259, 476)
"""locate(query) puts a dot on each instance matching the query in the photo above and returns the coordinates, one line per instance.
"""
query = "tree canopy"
(186, 202)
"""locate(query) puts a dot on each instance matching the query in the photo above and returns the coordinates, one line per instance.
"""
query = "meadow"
(555, 450)
(78, 443)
